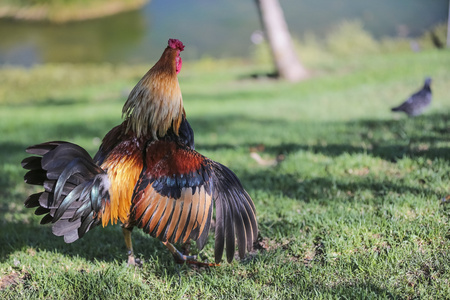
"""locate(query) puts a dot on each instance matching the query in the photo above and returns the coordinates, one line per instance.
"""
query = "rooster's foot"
(134, 262)
(181, 258)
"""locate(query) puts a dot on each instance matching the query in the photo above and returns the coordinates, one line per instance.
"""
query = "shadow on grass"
(387, 139)
(324, 188)
(100, 244)
(389, 152)
(107, 244)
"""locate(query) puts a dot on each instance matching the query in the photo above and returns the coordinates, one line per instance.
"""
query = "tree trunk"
(286, 60)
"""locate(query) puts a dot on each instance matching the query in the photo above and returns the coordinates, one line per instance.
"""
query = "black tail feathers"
(235, 215)
(75, 188)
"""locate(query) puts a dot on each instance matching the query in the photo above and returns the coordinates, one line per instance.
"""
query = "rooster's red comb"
(176, 44)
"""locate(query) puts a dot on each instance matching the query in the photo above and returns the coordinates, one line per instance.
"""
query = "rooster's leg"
(180, 258)
(132, 261)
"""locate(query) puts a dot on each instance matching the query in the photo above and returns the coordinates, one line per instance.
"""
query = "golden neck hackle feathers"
(155, 103)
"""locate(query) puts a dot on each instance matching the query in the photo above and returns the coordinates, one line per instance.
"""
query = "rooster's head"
(155, 104)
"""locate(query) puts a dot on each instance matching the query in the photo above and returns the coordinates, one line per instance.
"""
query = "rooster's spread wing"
(173, 199)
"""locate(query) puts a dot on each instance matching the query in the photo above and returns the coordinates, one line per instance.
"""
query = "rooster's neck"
(155, 105)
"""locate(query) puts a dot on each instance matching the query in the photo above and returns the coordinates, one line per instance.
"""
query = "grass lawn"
(351, 208)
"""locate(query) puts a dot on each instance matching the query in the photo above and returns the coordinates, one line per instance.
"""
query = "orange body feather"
(123, 172)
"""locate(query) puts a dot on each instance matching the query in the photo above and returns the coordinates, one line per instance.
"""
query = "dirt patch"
(13, 279)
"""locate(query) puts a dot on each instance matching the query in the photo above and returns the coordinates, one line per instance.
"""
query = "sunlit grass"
(352, 208)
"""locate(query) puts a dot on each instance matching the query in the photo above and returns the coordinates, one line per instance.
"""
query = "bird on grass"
(417, 102)
(146, 174)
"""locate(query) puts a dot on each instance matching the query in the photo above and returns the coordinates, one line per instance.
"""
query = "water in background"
(217, 28)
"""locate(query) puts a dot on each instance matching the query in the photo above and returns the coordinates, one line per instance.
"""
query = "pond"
(217, 28)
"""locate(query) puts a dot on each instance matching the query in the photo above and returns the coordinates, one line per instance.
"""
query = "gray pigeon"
(416, 104)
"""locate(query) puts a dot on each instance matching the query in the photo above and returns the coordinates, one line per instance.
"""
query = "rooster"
(146, 174)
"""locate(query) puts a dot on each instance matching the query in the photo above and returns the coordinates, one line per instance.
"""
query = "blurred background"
(218, 29)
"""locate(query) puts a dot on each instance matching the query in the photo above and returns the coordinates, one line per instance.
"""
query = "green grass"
(352, 210)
